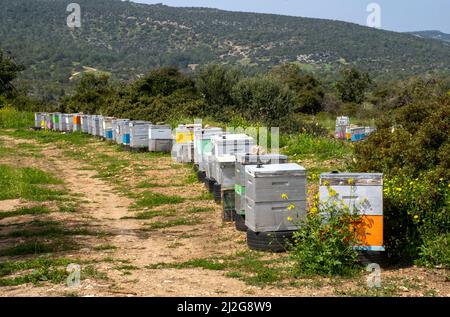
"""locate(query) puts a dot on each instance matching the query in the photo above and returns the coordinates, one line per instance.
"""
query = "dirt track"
(105, 209)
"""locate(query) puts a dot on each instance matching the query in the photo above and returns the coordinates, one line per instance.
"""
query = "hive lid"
(247, 158)
(226, 159)
(160, 126)
(290, 169)
(347, 179)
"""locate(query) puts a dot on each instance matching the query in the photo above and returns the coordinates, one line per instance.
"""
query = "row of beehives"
(132, 134)
(264, 194)
(346, 131)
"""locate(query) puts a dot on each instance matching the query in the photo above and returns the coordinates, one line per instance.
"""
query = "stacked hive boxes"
(203, 145)
(48, 121)
(85, 123)
(183, 151)
(55, 121)
(118, 129)
(363, 194)
(275, 197)
(160, 138)
(37, 120)
(355, 134)
(107, 128)
(222, 167)
(242, 160)
(76, 122)
(139, 139)
(341, 127)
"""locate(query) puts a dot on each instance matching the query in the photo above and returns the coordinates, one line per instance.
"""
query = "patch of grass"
(172, 223)
(208, 264)
(146, 184)
(248, 266)
(151, 200)
(38, 247)
(35, 271)
(305, 146)
(49, 232)
(28, 183)
(90, 271)
(11, 118)
(195, 210)
(126, 267)
(36, 210)
(204, 196)
(103, 247)
(191, 178)
(45, 136)
(155, 213)
(69, 208)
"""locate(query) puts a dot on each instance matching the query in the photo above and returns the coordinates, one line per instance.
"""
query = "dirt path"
(104, 209)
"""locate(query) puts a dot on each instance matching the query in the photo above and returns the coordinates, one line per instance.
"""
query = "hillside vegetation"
(127, 39)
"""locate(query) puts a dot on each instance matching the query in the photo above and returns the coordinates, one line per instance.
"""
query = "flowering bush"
(324, 243)
(416, 210)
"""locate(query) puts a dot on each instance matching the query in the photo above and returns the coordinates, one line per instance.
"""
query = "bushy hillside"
(127, 39)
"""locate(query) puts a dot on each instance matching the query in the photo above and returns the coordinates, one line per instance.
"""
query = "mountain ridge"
(126, 39)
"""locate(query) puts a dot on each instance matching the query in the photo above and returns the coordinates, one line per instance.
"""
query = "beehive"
(244, 159)
(48, 121)
(362, 193)
(275, 197)
(224, 171)
(76, 127)
(55, 121)
(69, 122)
(117, 126)
(231, 144)
(85, 123)
(184, 133)
(160, 138)
(355, 134)
(203, 144)
(139, 135)
(107, 128)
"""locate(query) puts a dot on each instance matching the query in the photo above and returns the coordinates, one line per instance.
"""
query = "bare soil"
(105, 209)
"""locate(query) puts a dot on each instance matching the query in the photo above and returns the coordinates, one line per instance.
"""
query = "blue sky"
(396, 15)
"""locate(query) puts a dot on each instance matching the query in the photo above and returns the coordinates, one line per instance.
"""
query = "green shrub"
(323, 244)
(412, 148)
(435, 252)
(415, 209)
(11, 118)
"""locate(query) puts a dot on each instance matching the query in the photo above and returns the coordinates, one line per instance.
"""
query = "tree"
(353, 85)
(8, 72)
(163, 82)
(91, 93)
(264, 100)
(309, 92)
(215, 82)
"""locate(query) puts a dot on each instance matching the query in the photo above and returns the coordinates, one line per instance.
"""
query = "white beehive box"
(266, 208)
(160, 132)
(139, 134)
(224, 171)
(231, 144)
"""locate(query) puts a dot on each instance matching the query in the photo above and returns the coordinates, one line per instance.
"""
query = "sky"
(396, 15)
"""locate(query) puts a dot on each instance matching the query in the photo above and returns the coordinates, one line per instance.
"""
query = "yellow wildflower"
(291, 206)
(350, 181)
(289, 218)
(284, 196)
(313, 210)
